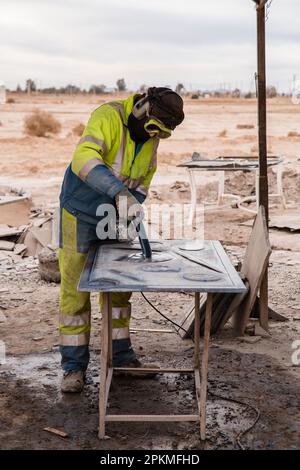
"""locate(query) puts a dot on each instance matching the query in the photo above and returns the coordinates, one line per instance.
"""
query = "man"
(114, 159)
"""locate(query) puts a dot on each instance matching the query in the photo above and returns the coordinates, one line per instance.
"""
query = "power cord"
(247, 405)
(164, 316)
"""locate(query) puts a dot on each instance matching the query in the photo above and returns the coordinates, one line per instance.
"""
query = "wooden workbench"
(110, 268)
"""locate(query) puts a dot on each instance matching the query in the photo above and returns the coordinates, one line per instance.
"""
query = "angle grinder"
(143, 238)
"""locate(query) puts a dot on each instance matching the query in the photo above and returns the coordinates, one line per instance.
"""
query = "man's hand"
(128, 206)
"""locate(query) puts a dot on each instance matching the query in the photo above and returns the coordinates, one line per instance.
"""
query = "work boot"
(73, 381)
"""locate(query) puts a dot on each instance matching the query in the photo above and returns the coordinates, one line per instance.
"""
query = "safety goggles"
(156, 128)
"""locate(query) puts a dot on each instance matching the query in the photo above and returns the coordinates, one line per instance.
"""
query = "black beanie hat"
(166, 105)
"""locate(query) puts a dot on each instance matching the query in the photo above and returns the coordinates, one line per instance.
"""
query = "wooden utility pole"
(262, 140)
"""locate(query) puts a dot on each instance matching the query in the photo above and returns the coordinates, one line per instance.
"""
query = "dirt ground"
(260, 374)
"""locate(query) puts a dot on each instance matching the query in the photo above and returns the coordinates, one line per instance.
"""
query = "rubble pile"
(28, 232)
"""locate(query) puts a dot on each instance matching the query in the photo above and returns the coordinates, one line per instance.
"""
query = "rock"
(171, 387)
(20, 249)
(249, 339)
(48, 265)
(6, 231)
(259, 331)
(179, 185)
(6, 245)
(155, 194)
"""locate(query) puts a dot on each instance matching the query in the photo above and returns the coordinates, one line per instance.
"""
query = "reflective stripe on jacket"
(106, 140)
(106, 144)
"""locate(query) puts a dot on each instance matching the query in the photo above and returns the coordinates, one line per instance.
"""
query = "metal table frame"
(221, 187)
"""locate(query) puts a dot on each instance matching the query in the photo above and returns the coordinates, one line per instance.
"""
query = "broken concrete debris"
(20, 249)
(14, 207)
(6, 245)
(27, 231)
(289, 221)
(6, 231)
(249, 339)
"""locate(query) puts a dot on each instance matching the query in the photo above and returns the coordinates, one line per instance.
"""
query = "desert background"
(257, 371)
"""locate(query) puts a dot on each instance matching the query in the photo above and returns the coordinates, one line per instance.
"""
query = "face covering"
(155, 127)
(137, 130)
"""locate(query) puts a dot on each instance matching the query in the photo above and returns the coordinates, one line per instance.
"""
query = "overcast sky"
(202, 43)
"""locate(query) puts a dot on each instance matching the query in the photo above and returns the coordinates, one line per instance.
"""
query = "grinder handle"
(143, 239)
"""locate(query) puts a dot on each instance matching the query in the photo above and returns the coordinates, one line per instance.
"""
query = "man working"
(114, 159)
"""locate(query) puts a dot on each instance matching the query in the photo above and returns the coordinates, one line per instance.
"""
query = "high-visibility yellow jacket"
(106, 160)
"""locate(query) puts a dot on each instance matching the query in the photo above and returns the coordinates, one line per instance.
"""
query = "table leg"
(204, 366)
(197, 350)
(221, 187)
(110, 353)
(279, 186)
(193, 196)
(104, 360)
(197, 330)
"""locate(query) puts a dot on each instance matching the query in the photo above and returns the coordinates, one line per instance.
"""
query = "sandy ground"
(261, 374)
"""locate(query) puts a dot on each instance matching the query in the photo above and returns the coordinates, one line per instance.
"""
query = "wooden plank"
(253, 268)
(150, 330)
(144, 418)
(273, 315)
(152, 370)
(198, 390)
(106, 311)
(235, 302)
(204, 367)
(224, 305)
(108, 383)
(187, 320)
(57, 432)
(197, 330)
(110, 351)
(219, 311)
(263, 302)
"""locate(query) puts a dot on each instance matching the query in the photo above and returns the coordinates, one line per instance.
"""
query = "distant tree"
(70, 90)
(236, 93)
(19, 89)
(50, 90)
(248, 95)
(271, 92)
(179, 88)
(121, 84)
(97, 89)
(30, 85)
